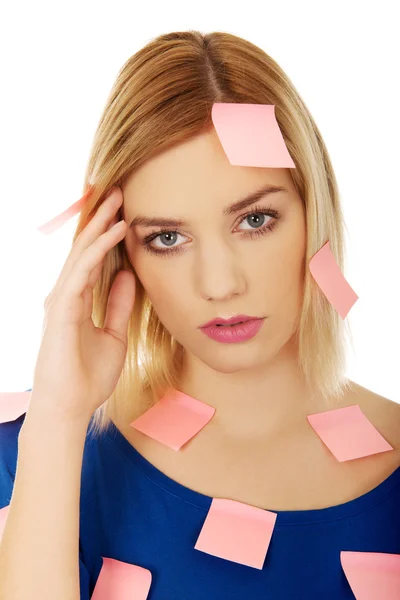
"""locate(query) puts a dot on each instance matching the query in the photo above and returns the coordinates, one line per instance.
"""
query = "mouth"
(234, 321)
(241, 331)
(229, 324)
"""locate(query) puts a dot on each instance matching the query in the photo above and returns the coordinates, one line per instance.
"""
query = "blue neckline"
(291, 517)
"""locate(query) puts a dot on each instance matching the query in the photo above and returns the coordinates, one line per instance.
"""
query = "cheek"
(151, 272)
(280, 275)
(164, 286)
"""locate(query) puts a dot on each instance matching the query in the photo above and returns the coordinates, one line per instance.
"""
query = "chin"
(231, 358)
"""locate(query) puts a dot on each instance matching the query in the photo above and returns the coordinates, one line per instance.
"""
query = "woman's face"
(217, 264)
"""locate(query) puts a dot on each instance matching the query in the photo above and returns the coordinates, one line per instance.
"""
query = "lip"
(235, 319)
(234, 333)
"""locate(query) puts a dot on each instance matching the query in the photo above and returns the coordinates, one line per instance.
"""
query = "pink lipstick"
(230, 334)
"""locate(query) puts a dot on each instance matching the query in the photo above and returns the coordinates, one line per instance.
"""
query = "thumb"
(120, 303)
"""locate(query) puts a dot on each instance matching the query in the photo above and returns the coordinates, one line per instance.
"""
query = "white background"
(58, 63)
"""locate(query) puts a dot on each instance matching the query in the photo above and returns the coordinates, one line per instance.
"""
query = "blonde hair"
(163, 96)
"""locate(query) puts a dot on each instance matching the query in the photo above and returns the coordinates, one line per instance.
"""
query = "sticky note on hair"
(372, 575)
(250, 135)
(174, 419)
(121, 581)
(65, 216)
(237, 532)
(13, 405)
(330, 279)
(348, 433)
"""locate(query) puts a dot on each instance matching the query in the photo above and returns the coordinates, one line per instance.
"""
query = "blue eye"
(146, 243)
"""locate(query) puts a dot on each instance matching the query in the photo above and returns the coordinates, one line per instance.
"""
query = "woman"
(143, 503)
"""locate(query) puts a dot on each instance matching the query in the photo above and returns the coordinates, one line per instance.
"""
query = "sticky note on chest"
(236, 531)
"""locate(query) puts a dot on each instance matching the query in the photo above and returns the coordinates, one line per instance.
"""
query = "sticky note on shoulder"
(348, 433)
(236, 531)
(174, 419)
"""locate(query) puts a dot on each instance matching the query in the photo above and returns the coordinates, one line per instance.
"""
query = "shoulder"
(357, 477)
(383, 413)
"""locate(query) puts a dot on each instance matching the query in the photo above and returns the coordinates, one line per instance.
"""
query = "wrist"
(40, 419)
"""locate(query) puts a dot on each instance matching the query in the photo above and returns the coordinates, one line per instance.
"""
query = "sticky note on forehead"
(250, 135)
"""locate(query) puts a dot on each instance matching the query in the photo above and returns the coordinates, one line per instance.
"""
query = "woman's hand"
(79, 365)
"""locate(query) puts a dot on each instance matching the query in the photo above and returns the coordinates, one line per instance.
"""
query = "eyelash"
(270, 212)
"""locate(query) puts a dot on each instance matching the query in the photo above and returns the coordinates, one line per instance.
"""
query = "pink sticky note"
(348, 433)
(330, 279)
(237, 532)
(13, 405)
(121, 581)
(250, 135)
(174, 419)
(70, 212)
(372, 575)
(3, 519)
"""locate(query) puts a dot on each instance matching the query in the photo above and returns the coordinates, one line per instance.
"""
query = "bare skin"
(287, 472)
(259, 447)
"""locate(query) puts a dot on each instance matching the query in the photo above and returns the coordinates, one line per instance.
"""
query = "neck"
(255, 402)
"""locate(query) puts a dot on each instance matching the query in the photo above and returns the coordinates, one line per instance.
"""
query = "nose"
(220, 276)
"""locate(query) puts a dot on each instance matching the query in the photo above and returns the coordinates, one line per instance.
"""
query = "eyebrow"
(142, 220)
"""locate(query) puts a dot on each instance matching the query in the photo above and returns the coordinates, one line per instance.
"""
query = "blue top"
(132, 512)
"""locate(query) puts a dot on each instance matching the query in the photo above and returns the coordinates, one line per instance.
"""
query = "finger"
(102, 221)
(91, 283)
(78, 277)
(97, 270)
(87, 296)
(120, 304)
(95, 274)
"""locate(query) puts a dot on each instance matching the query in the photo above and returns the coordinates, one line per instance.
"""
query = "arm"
(39, 550)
